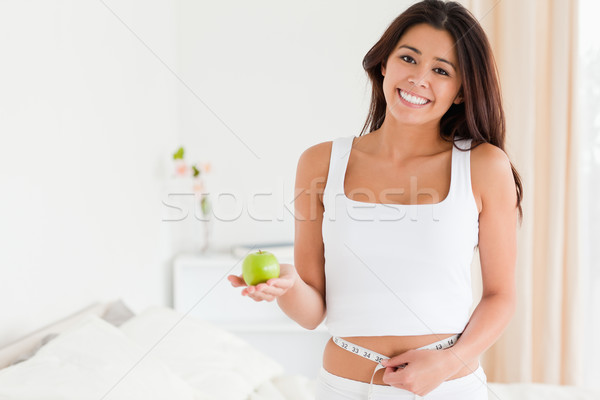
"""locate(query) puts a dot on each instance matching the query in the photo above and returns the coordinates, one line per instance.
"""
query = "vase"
(206, 223)
(206, 233)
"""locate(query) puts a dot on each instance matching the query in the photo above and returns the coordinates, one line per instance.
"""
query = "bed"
(105, 351)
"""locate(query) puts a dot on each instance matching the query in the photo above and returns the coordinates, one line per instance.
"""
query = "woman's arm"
(305, 303)
(492, 175)
(300, 290)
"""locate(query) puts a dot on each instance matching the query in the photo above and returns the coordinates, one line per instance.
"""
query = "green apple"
(259, 267)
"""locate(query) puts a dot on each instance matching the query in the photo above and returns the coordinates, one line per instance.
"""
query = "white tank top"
(395, 269)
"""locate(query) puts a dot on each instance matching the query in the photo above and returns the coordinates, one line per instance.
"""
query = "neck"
(398, 141)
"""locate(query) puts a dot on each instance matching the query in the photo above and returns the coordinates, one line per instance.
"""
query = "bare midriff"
(346, 364)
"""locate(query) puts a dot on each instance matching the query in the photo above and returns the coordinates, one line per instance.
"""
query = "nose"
(422, 81)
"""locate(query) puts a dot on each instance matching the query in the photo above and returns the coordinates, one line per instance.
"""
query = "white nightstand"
(202, 289)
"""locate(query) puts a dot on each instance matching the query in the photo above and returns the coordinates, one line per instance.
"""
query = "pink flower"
(181, 169)
(198, 186)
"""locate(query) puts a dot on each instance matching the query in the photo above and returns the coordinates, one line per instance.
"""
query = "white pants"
(469, 387)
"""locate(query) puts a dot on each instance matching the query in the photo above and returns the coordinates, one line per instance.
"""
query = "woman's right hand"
(270, 290)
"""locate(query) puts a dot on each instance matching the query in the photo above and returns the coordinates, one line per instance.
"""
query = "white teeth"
(412, 99)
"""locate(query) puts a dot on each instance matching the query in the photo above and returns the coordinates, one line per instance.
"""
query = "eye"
(408, 59)
(441, 71)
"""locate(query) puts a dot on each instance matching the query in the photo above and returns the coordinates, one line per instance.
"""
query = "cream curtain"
(534, 43)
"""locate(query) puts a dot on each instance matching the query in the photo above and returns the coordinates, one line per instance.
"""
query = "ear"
(459, 98)
(383, 68)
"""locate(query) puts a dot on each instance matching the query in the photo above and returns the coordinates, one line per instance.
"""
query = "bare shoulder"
(491, 174)
(313, 164)
(488, 155)
(317, 156)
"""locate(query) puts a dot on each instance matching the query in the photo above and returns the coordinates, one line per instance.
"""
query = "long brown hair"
(480, 116)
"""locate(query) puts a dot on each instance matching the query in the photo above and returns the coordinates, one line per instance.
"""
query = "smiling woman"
(429, 183)
(416, 76)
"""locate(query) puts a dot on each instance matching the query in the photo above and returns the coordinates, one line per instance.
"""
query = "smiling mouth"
(415, 100)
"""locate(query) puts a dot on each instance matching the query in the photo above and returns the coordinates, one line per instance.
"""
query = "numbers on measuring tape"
(378, 358)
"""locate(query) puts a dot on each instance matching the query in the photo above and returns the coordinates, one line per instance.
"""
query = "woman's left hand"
(425, 370)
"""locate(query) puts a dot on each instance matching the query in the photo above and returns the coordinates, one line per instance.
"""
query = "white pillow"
(88, 361)
(208, 358)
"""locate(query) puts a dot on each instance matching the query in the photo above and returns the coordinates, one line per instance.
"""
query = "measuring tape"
(378, 358)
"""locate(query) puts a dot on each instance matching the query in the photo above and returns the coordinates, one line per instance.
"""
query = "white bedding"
(85, 362)
(210, 359)
(157, 354)
(160, 354)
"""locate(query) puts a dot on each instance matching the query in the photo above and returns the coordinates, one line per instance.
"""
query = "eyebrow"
(436, 58)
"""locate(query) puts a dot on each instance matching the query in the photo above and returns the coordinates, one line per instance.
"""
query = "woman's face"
(421, 76)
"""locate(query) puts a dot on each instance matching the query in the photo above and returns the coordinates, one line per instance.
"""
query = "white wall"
(280, 76)
(87, 113)
(90, 111)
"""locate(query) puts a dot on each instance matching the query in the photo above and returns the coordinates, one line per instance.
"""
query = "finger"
(270, 290)
(258, 296)
(394, 377)
(395, 361)
(262, 290)
(280, 283)
(252, 292)
(266, 290)
(393, 364)
(264, 297)
(275, 292)
(389, 377)
(248, 290)
(236, 281)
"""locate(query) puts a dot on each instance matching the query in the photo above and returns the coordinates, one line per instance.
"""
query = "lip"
(411, 104)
